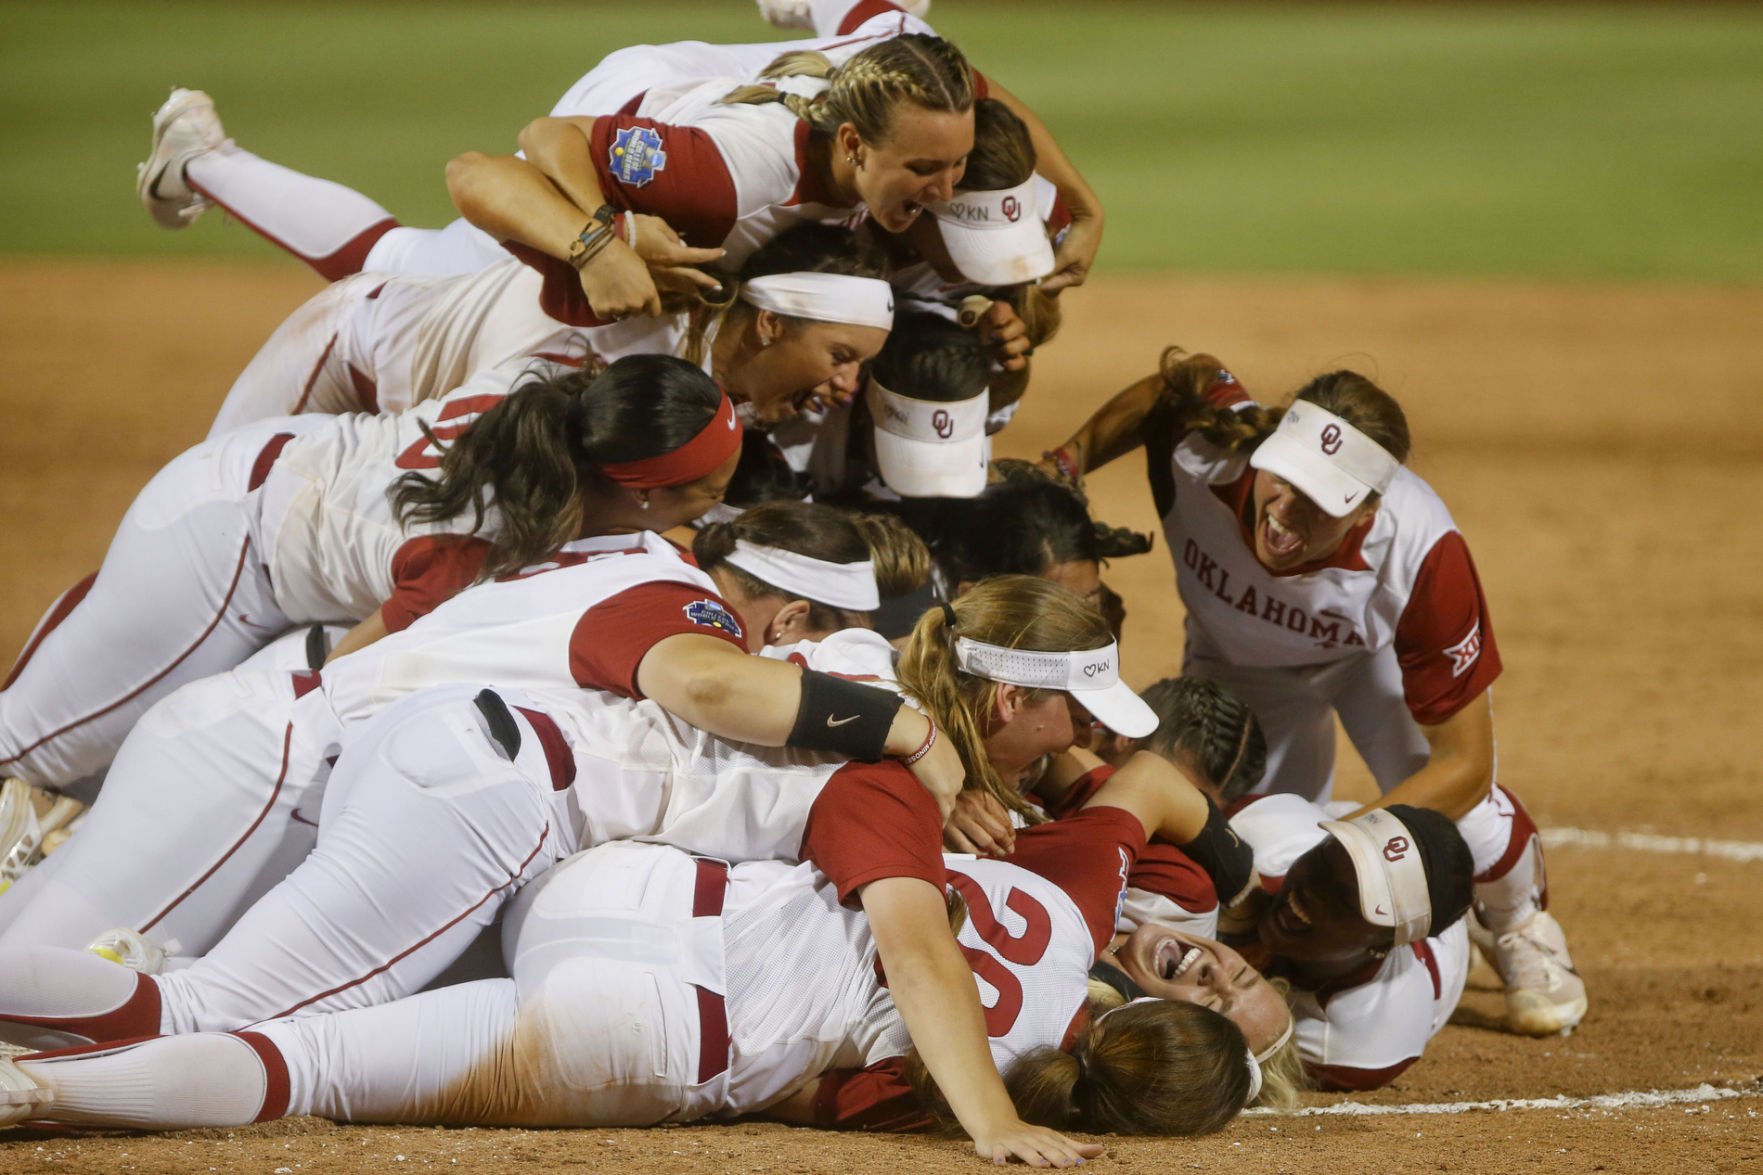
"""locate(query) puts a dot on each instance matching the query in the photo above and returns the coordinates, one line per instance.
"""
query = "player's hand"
(1005, 336)
(1239, 920)
(1075, 255)
(618, 284)
(1035, 1145)
(670, 260)
(980, 825)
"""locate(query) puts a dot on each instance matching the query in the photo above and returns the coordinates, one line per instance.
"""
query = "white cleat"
(1544, 994)
(21, 834)
(21, 1098)
(131, 949)
(185, 127)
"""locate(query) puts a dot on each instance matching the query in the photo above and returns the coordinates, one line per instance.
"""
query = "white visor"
(996, 238)
(824, 297)
(850, 586)
(1392, 880)
(929, 448)
(1331, 462)
(1090, 676)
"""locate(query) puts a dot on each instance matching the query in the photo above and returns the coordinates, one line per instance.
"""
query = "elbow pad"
(843, 717)
(1223, 855)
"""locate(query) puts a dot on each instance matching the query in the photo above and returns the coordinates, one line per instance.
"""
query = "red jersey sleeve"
(428, 570)
(1079, 793)
(1444, 640)
(1089, 855)
(876, 1098)
(611, 638)
(871, 821)
(675, 172)
(861, 13)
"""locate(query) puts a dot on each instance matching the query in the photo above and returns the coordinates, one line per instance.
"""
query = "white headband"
(1084, 669)
(824, 297)
(1392, 879)
(991, 211)
(1332, 462)
(843, 585)
(934, 422)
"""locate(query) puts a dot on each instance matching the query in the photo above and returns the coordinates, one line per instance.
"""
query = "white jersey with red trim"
(1404, 581)
(662, 779)
(325, 526)
(534, 629)
(1362, 1031)
(806, 992)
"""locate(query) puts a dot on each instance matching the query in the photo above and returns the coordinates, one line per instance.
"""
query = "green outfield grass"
(1574, 141)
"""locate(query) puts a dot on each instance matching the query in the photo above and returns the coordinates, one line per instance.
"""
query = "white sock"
(326, 225)
(204, 1079)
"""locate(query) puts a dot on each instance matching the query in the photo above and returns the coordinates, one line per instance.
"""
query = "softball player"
(248, 754)
(650, 986)
(806, 312)
(1322, 578)
(1367, 995)
(341, 232)
(289, 522)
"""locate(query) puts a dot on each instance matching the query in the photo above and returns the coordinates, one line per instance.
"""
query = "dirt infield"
(1600, 449)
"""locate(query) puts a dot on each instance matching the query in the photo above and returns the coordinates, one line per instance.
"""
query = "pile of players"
(548, 694)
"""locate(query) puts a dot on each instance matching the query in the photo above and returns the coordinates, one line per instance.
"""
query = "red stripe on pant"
(708, 891)
(135, 1018)
(66, 604)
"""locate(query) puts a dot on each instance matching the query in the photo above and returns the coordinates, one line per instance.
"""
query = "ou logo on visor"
(1395, 848)
(1331, 440)
(1012, 209)
(942, 423)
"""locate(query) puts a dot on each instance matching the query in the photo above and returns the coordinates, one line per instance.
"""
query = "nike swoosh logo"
(830, 721)
(299, 819)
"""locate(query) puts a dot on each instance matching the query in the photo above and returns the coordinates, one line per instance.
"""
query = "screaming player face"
(1024, 728)
(1174, 966)
(920, 163)
(1316, 917)
(804, 365)
(1291, 530)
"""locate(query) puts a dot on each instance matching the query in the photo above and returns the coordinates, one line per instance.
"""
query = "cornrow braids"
(1209, 728)
(927, 71)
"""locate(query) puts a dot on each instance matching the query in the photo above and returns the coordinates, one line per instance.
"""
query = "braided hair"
(926, 71)
(1208, 727)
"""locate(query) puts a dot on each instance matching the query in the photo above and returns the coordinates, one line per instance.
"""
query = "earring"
(643, 502)
(852, 159)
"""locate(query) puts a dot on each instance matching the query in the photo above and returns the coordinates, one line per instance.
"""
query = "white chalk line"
(1646, 842)
(1634, 1100)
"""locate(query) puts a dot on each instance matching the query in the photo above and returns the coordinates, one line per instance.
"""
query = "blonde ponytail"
(927, 71)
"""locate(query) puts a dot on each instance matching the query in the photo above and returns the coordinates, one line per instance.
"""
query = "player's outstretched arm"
(1459, 771)
(1077, 252)
(1113, 431)
(933, 990)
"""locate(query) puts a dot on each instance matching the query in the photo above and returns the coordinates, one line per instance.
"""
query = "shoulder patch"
(1463, 654)
(636, 155)
(712, 614)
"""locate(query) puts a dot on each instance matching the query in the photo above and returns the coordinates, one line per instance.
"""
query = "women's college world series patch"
(637, 155)
(711, 614)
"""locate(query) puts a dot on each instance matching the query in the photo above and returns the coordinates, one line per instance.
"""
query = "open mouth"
(1280, 542)
(1172, 959)
(1290, 917)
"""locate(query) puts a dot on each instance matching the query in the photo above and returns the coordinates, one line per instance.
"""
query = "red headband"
(692, 460)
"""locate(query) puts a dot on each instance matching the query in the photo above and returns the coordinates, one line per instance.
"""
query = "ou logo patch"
(1331, 440)
(942, 423)
(1012, 208)
(1395, 848)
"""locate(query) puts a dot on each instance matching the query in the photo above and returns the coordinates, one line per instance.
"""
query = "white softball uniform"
(617, 85)
(647, 986)
(283, 522)
(1390, 631)
(213, 775)
(379, 342)
(1362, 1030)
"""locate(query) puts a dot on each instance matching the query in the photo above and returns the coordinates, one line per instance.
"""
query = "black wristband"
(843, 716)
(1223, 855)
